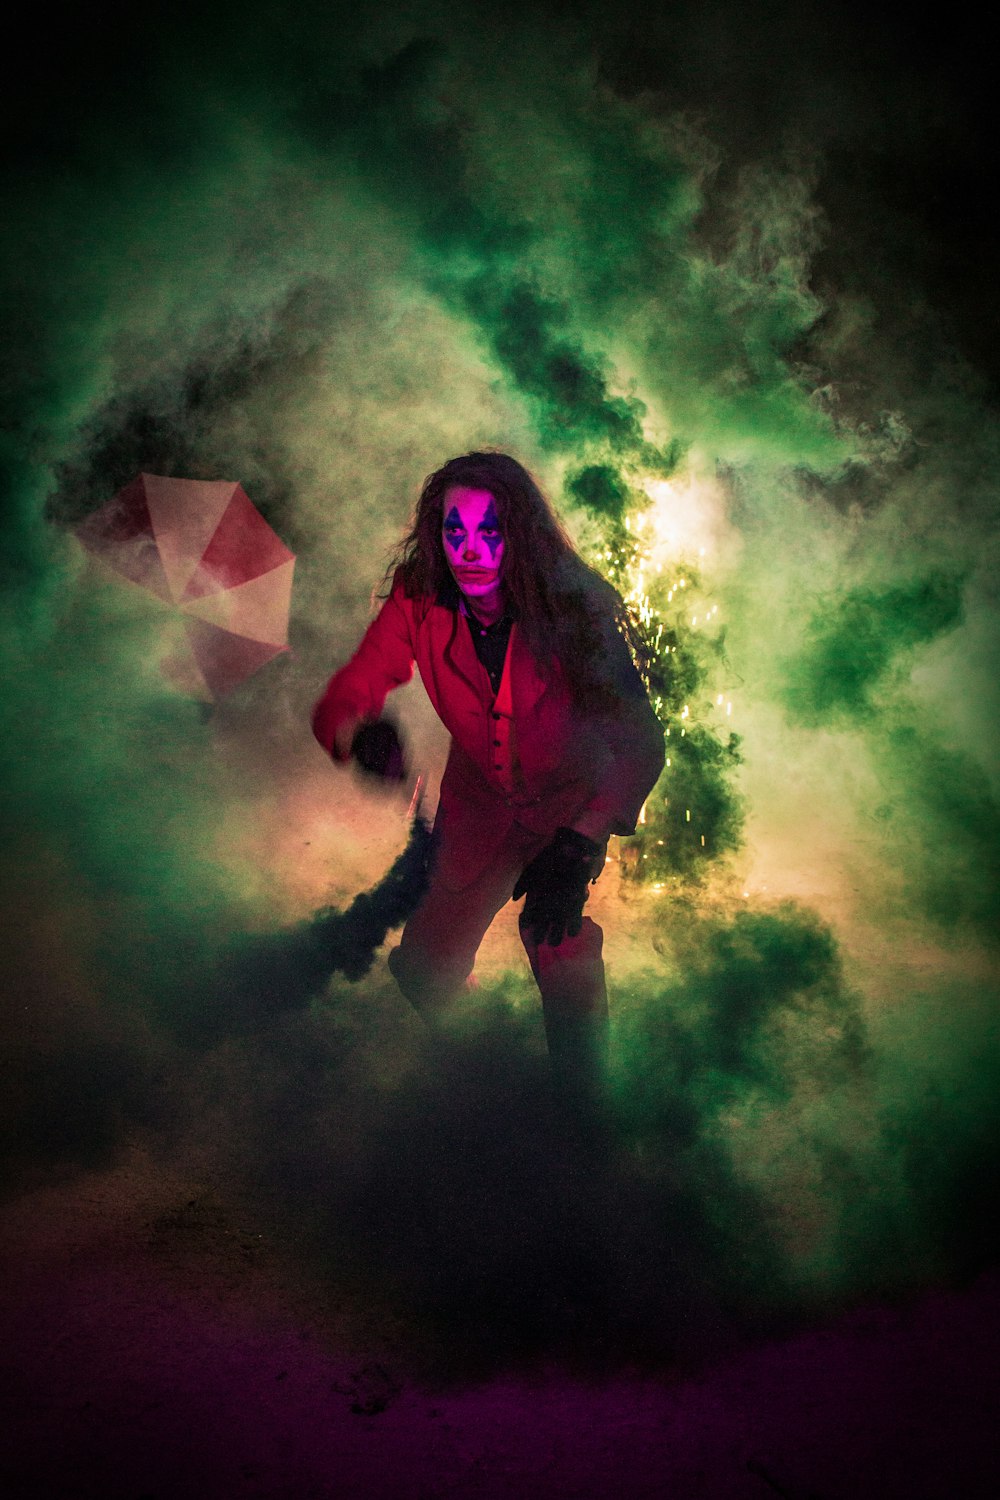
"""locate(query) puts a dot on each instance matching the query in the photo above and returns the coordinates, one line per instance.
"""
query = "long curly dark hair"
(563, 607)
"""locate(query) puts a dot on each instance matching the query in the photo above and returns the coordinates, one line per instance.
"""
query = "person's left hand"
(556, 884)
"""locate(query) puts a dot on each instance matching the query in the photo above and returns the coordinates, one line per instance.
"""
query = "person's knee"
(570, 974)
(426, 984)
(586, 946)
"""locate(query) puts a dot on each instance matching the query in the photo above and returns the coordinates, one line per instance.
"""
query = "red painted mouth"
(473, 575)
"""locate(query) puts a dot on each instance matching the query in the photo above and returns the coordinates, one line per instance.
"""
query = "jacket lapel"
(526, 682)
(460, 654)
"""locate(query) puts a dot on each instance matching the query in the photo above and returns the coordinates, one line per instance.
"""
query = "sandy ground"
(157, 1345)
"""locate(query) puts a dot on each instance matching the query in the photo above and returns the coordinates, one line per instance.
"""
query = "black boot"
(578, 1065)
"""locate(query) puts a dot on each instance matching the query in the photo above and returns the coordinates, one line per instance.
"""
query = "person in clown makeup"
(524, 652)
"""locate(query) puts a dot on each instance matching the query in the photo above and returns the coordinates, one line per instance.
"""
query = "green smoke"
(853, 639)
(776, 1153)
(321, 257)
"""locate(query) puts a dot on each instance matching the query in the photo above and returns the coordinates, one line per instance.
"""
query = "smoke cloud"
(721, 286)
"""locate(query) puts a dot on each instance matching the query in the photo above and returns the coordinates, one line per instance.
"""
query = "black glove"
(378, 751)
(556, 883)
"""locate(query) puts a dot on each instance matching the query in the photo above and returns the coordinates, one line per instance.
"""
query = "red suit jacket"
(525, 755)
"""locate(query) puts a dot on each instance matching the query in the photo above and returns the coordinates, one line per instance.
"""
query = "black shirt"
(613, 663)
(490, 642)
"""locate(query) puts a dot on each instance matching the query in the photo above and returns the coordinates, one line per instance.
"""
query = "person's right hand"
(378, 750)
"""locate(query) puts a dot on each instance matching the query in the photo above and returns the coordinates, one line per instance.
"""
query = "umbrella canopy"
(203, 548)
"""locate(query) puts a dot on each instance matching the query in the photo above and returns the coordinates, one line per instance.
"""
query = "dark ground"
(158, 1345)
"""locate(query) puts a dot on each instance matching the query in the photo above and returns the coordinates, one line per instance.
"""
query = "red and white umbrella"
(203, 548)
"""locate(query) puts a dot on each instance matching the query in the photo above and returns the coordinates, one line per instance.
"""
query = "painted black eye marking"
(491, 522)
(455, 534)
(454, 531)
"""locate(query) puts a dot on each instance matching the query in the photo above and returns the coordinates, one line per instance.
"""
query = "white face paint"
(474, 547)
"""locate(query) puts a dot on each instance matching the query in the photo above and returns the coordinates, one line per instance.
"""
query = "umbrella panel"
(203, 547)
(242, 548)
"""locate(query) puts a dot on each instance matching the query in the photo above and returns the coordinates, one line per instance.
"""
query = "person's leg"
(571, 979)
(437, 953)
(438, 947)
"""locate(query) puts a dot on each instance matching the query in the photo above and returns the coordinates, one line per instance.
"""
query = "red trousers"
(438, 948)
